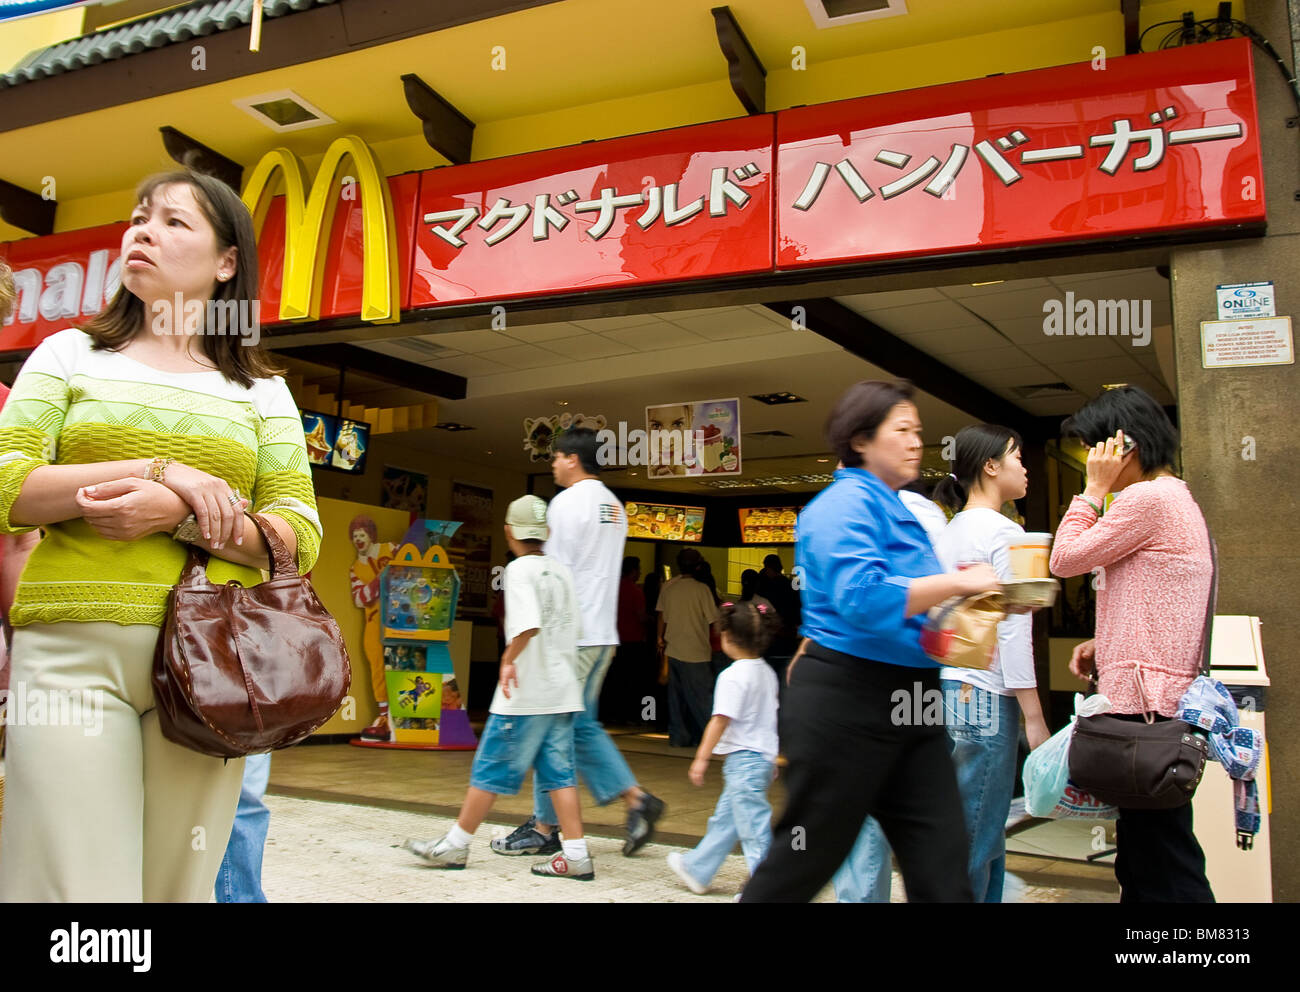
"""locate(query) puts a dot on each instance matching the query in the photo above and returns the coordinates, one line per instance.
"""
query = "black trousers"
(690, 701)
(627, 684)
(1157, 857)
(857, 748)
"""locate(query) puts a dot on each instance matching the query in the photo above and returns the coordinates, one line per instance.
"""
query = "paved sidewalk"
(338, 852)
(321, 851)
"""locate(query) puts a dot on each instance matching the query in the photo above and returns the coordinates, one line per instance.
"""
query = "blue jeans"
(600, 764)
(743, 813)
(867, 872)
(513, 743)
(240, 876)
(985, 732)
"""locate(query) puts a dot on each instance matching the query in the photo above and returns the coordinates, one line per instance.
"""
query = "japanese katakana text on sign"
(996, 163)
(692, 202)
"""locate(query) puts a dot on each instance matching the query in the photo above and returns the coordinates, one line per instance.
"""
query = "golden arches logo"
(307, 222)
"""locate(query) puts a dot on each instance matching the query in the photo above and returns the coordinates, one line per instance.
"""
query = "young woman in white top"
(980, 706)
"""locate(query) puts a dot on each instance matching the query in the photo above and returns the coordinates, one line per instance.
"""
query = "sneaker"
(527, 839)
(641, 824)
(561, 867)
(677, 863)
(378, 731)
(440, 853)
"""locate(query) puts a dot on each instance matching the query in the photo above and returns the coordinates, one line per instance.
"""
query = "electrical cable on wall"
(1192, 32)
(1189, 32)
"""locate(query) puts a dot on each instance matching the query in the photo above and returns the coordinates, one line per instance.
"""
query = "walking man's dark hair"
(580, 441)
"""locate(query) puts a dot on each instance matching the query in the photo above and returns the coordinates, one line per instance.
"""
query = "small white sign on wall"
(1235, 343)
(1240, 300)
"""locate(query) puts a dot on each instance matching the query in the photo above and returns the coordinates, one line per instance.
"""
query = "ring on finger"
(233, 499)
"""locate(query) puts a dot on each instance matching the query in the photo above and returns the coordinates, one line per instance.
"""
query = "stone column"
(1239, 429)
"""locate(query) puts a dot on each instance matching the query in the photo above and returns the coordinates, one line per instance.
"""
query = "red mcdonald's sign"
(1151, 144)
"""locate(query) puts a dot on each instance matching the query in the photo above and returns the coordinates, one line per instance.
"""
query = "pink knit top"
(1151, 596)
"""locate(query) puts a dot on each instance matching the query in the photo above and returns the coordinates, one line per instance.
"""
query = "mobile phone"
(1129, 444)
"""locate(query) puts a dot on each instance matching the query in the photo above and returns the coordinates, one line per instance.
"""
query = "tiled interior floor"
(433, 783)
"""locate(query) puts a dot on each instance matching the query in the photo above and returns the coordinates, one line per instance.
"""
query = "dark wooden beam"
(748, 77)
(446, 129)
(1129, 8)
(304, 36)
(199, 157)
(866, 339)
(23, 208)
(408, 375)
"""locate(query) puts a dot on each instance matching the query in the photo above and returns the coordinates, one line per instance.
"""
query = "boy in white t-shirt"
(532, 712)
(743, 728)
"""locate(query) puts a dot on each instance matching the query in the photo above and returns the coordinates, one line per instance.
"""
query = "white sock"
(459, 837)
(574, 850)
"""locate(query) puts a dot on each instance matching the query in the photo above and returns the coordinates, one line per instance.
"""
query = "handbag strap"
(283, 564)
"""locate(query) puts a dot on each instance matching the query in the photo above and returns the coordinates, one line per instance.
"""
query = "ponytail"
(950, 494)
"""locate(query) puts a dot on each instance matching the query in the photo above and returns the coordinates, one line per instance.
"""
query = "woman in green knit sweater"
(160, 409)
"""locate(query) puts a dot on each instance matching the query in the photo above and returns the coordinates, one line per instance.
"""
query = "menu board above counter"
(768, 525)
(665, 523)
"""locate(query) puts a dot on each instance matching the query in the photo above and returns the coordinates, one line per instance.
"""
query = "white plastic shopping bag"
(1048, 789)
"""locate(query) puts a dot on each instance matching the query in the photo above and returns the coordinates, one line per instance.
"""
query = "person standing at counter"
(851, 738)
(688, 613)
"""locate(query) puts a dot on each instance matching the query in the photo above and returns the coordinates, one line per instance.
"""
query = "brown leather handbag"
(242, 670)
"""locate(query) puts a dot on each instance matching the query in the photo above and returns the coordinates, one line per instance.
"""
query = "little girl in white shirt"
(743, 728)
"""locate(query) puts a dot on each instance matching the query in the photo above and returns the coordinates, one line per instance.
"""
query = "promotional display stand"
(418, 591)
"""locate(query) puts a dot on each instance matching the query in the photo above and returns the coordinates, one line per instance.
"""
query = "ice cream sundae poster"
(321, 431)
(699, 437)
(335, 443)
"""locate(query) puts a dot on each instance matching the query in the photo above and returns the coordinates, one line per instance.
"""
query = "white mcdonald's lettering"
(307, 221)
(66, 290)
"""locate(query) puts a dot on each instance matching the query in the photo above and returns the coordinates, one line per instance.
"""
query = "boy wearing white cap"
(531, 717)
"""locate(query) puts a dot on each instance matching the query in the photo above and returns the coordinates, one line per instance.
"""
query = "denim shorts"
(511, 745)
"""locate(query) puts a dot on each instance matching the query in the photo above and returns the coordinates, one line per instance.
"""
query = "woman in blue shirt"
(863, 723)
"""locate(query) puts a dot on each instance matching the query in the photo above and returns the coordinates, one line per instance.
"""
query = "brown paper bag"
(963, 632)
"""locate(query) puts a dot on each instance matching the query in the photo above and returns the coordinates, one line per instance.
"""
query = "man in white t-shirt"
(588, 529)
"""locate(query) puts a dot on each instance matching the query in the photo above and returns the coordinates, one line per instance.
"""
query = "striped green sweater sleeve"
(284, 487)
(30, 426)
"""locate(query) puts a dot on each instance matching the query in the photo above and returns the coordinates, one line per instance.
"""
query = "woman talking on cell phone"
(1153, 551)
(152, 427)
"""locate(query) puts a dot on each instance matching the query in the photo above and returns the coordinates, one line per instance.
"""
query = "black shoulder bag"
(1155, 764)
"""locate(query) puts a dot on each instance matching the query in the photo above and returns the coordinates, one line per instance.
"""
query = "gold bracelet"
(158, 468)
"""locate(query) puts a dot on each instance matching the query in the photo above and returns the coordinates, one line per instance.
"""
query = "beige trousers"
(99, 806)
